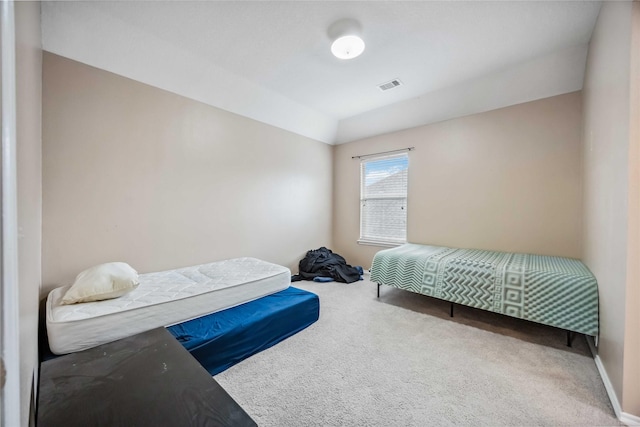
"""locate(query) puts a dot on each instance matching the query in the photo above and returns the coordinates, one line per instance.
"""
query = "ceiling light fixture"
(347, 43)
(347, 47)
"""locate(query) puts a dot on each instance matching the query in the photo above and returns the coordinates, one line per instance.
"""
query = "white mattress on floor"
(162, 299)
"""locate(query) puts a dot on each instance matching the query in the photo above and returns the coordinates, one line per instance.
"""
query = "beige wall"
(137, 174)
(606, 175)
(508, 179)
(29, 155)
(631, 391)
(611, 162)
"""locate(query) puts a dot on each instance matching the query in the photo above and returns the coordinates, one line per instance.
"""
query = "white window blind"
(383, 199)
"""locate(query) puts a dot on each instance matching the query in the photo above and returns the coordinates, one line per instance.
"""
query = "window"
(383, 199)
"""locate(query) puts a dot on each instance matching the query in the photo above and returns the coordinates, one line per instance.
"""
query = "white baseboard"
(628, 419)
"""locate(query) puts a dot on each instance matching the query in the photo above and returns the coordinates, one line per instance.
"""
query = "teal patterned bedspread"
(554, 291)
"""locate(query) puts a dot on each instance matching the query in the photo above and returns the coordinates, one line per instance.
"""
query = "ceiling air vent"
(390, 85)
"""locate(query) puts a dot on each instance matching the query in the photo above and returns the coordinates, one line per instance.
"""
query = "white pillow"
(104, 281)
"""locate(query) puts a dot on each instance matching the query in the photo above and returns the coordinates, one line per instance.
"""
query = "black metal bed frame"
(570, 334)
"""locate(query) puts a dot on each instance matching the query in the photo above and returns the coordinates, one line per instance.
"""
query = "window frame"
(377, 240)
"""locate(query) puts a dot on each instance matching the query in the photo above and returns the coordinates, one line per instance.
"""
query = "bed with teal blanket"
(554, 291)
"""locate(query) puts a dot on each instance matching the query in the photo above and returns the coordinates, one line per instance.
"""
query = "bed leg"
(569, 338)
(451, 310)
(378, 290)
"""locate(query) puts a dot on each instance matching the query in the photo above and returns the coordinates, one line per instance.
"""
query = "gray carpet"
(402, 361)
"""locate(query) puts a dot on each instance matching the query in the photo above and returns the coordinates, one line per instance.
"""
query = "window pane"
(384, 219)
(385, 177)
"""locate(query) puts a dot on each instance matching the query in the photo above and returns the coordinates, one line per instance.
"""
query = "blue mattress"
(220, 340)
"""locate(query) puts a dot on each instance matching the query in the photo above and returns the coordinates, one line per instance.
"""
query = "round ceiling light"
(347, 43)
(347, 47)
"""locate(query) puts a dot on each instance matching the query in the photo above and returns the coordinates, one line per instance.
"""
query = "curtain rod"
(384, 152)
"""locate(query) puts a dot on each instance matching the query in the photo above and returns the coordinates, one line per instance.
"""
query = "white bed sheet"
(162, 299)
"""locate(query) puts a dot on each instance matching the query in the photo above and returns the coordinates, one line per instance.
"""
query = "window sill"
(380, 243)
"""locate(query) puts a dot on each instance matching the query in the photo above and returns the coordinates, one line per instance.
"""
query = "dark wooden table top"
(144, 380)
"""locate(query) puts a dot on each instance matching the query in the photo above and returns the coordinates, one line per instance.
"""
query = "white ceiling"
(271, 61)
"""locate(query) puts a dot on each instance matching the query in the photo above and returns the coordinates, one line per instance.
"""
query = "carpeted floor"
(402, 361)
